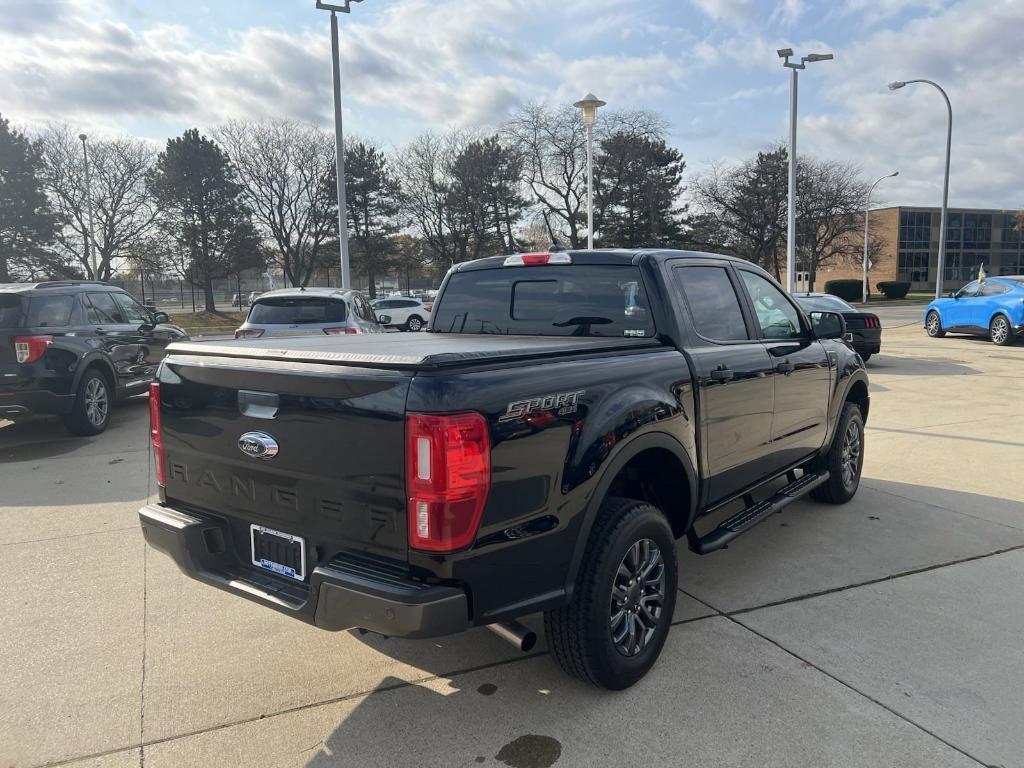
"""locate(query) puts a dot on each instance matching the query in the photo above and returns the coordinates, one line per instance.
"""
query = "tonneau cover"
(414, 350)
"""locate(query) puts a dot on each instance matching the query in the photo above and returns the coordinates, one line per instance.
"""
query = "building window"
(915, 229)
(1011, 229)
(962, 266)
(912, 266)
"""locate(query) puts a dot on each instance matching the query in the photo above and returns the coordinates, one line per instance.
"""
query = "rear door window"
(297, 311)
(714, 305)
(10, 311)
(104, 310)
(994, 289)
(584, 300)
(50, 311)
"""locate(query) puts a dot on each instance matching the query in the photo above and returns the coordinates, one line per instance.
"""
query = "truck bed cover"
(409, 351)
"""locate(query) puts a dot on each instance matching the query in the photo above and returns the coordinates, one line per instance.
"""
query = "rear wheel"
(91, 411)
(413, 324)
(933, 325)
(613, 629)
(999, 331)
(844, 460)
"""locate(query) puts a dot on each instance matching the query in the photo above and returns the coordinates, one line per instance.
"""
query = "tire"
(90, 414)
(628, 536)
(844, 469)
(866, 356)
(1000, 332)
(414, 324)
(933, 325)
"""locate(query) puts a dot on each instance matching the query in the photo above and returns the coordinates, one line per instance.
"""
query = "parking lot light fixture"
(786, 54)
(339, 137)
(590, 104)
(867, 208)
(895, 85)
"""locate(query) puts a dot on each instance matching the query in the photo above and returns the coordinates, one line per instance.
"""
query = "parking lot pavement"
(885, 632)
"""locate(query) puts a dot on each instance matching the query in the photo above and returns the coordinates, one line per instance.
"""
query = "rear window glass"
(10, 311)
(297, 311)
(50, 311)
(546, 301)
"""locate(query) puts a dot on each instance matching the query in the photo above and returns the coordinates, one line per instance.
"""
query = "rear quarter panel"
(546, 465)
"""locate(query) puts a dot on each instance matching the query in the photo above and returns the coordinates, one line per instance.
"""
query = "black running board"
(753, 514)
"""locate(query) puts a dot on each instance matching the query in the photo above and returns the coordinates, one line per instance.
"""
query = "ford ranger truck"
(567, 419)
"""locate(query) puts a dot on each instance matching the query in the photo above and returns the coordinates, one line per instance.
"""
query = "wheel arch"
(653, 467)
(100, 363)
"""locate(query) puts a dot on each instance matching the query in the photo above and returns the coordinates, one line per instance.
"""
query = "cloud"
(970, 52)
(735, 11)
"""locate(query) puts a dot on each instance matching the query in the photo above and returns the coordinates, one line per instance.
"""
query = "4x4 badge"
(259, 445)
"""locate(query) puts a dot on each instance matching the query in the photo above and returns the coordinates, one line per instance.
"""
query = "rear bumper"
(345, 593)
(866, 343)
(22, 403)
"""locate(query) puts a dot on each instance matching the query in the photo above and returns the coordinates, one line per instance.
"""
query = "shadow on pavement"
(918, 366)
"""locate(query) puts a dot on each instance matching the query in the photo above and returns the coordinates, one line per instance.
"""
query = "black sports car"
(863, 326)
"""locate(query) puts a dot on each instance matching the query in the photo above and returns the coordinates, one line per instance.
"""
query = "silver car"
(302, 311)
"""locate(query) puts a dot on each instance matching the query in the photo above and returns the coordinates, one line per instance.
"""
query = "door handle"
(102, 331)
(722, 373)
(785, 367)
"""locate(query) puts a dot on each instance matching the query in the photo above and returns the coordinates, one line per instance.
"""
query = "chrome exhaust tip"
(521, 636)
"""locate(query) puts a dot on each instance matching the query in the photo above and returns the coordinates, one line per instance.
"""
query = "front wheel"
(612, 631)
(933, 325)
(844, 460)
(999, 331)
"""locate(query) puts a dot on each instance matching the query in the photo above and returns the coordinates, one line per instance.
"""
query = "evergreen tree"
(202, 211)
(372, 196)
(27, 225)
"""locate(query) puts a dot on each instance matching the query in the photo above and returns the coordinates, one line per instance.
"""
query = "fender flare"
(841, 397)
(627, 453)
(88, 361)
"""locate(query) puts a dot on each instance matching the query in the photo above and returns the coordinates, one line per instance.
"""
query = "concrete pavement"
(884, 632)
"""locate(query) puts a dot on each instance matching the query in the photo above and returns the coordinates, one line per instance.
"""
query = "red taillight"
(28, 349)
(448, 473)
(537, 259)
(248, 333)
(427, 307)
(340, 331)
(155, 437)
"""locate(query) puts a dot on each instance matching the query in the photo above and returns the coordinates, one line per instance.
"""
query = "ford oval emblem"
(259, 445)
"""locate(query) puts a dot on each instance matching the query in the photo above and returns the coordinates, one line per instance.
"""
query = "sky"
(153, 68)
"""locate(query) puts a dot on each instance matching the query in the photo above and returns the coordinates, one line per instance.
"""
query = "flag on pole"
(981, 273)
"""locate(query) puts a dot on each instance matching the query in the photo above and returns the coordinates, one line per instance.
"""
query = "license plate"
(278, 552)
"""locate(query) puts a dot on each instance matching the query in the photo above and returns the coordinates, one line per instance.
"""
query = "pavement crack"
(142, 681)
(70, 536)
(849, 686)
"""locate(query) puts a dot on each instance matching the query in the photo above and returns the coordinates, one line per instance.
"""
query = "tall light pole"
(785, 54)
(867, 207)
(590, 104)
(339, 137)
(90, 241)
(896, 85)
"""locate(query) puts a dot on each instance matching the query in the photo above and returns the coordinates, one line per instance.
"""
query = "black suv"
(71, 348)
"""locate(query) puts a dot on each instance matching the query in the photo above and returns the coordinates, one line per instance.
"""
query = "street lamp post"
(590, 104)
(339, 137)
(90, 241)
(896, 85)
(867, 207)
(785, 54)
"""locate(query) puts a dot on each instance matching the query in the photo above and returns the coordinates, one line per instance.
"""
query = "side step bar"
(754, 513)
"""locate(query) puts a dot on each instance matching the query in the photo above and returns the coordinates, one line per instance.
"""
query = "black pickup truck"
(567, 418)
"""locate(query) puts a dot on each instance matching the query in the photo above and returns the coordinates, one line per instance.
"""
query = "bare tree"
(285, 169)
(553, 145)
(124, 211)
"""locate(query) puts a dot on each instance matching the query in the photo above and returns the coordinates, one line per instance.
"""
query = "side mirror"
(384, 319)
(828, 325)
(160, 317)
(954, 295)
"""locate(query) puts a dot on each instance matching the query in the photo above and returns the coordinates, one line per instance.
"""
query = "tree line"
(254, 193)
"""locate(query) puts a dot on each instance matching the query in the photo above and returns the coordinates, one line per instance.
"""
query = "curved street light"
(867, 211)
(896, 85)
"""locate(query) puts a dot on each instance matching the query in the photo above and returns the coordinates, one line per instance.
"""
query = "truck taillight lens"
(155, 436)
(28, 349)
(448, 473)
(341, 331)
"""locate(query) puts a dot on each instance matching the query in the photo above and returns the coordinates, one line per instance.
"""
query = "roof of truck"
(603, 256)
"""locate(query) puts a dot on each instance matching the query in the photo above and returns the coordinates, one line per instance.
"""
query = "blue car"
(992, 307)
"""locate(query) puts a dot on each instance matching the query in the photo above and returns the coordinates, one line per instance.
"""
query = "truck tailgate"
(337, 478)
